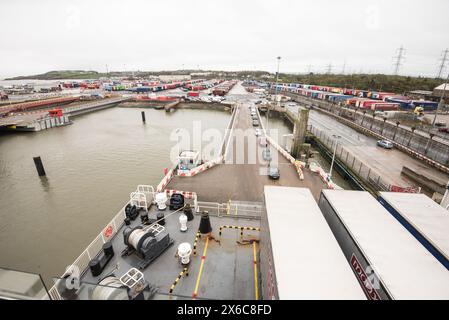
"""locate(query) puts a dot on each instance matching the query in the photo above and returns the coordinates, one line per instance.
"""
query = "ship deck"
(227, 272)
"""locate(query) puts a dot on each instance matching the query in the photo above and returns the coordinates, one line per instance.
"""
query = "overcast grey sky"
(44, 35)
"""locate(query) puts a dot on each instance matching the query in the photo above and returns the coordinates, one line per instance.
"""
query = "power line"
(443, 63)
(398, 60)
(329, 68)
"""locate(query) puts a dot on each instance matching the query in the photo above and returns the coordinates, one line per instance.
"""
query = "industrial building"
(174, 77)
(442, 90)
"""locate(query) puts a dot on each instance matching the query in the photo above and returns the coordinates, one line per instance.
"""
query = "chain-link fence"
(363, 171)
(431, 148)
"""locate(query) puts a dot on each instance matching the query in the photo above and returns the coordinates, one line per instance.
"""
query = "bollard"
(143, 116)
(39, 166)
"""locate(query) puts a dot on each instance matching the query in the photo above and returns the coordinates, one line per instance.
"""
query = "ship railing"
(142, 197)
(79, 267)
(237, 209)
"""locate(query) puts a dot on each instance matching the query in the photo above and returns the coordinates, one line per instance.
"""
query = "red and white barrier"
(314, 167)
(166, 180)
(201, 168)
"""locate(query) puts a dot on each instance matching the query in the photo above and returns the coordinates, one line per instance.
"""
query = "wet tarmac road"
(387, 163)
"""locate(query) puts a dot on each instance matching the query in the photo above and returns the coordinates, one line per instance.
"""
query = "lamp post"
(336, 137)
(383, 127)
(374, 116)
(397, 128)
(275, 90)
(363, 118)
(277, 80)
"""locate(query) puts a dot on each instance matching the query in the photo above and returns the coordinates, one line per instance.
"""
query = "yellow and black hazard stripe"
(198, 235)
(238, 227)
(183, 272)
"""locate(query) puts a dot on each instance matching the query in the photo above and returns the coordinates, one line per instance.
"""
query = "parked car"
(266, 154)
(274, 173)
(257, 132)
(385, 144)
(255, 122)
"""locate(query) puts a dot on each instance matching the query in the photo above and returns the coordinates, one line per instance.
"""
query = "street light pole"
(440, 105)
(333, 157)
(275, 90)
(277, 79)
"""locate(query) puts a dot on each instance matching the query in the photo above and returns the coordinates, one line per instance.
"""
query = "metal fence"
(431, 148)
(365, 172)
(235, 209)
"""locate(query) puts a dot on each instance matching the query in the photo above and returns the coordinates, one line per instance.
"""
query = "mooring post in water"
(39, 166)
(143, 116)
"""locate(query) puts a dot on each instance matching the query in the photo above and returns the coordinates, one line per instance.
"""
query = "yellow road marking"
(256, 288)
(195, 293)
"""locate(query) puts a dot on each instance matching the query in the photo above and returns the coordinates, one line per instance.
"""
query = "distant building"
(443, 88)
(200, 74)
(420, 95)
(174, 77)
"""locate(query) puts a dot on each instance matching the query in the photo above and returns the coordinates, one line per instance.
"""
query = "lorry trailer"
(303, 259)
(427, 221)
(387, 260)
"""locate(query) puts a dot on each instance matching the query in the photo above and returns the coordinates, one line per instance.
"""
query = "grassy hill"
(375, 82)
(63, 74)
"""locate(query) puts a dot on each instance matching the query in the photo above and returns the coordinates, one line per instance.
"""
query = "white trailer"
(388, 261)
(427, 221)
(300, 257)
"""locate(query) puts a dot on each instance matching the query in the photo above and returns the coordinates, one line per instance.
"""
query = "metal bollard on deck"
(143, 117)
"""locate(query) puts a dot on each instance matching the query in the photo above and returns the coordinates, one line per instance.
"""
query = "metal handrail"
(236, 210)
